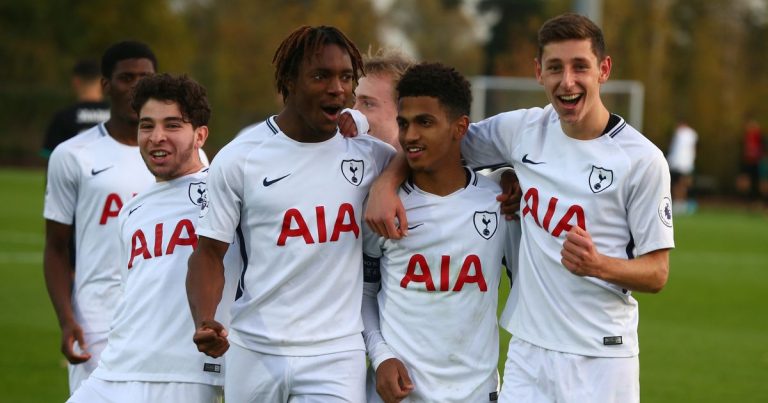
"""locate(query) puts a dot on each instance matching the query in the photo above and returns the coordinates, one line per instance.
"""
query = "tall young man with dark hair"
(447, 271)
(292, 189)
(597, 225)
(90, 177)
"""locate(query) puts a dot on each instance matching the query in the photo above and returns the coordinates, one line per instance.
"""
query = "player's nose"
(157, 135)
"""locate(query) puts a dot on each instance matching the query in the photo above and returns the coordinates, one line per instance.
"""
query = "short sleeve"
(225, 198)
(649, 206)
(62, 186)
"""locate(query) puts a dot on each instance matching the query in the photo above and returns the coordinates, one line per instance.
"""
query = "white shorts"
(256, 377)
(438, 392)
(95, 390)
(78, 373)
(535, 374)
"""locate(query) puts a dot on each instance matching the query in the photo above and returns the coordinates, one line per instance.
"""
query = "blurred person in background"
(752, 153)
(681, 159)
(89, 110)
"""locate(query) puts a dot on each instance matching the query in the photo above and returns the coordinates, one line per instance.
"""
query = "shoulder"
(82, 139)
(73, 148)
(372, 143)
(246, 139)
(634, 143)
(483, 184)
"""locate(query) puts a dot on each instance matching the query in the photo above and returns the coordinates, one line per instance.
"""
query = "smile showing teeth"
(158, 153)
(569, 98)
(413, 149)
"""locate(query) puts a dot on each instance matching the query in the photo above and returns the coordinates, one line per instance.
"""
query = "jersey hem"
(152, 377)
(624, 353)
(340, 345)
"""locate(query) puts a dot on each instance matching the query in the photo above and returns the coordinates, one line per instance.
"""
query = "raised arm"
(646, 273)
(205, 282)
(58, 272)
(384, 206)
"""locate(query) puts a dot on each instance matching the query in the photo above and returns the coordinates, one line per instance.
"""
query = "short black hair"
(187, 93)
(451, 89)
(87, 69)
(305, 41)
(122, 51)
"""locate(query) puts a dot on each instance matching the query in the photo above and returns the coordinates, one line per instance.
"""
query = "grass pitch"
(704, 338)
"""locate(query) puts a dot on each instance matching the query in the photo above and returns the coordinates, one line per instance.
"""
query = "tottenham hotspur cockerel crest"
(353, 171)
(198, 195)
(600, 179)
(486, 223)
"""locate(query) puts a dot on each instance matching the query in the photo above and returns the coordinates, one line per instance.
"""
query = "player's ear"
(460, 127)
(201, 134)
(605, 69)
(538, 69)
(105, 87)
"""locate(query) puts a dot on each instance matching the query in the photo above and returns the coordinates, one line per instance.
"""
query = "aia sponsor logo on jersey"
(574, 215)
(198, 195)
(419, 271)
(486, 223)
(151, 244)
(295, 225)
(353, 171)
(600, 179)
(112, 205)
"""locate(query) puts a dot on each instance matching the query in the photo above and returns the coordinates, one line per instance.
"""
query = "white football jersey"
(151, 335)
(90, 178)
(298, 207)
(616, 187)
(439, 292)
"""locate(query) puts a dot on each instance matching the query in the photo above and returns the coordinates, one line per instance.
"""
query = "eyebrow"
(575, 59)
(168, 119)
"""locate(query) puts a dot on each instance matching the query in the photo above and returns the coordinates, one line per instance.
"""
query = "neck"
(293, 125)
(443, 181)
(590, 127)
(123, 131)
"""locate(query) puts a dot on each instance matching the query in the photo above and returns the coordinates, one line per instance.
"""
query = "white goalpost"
(492, 95)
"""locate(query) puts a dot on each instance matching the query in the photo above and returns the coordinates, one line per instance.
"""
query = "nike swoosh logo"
(527, 161)
(270, 182)
(415, 226)
(134, 209)
(95, 172)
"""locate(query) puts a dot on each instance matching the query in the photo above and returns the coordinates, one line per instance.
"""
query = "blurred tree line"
(699, 59)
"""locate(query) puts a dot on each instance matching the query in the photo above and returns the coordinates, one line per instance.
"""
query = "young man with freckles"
(596, 217)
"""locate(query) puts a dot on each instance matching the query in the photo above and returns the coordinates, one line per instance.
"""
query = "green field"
(703, 339)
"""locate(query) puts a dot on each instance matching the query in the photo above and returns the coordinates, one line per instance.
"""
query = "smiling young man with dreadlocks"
(293, 189)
